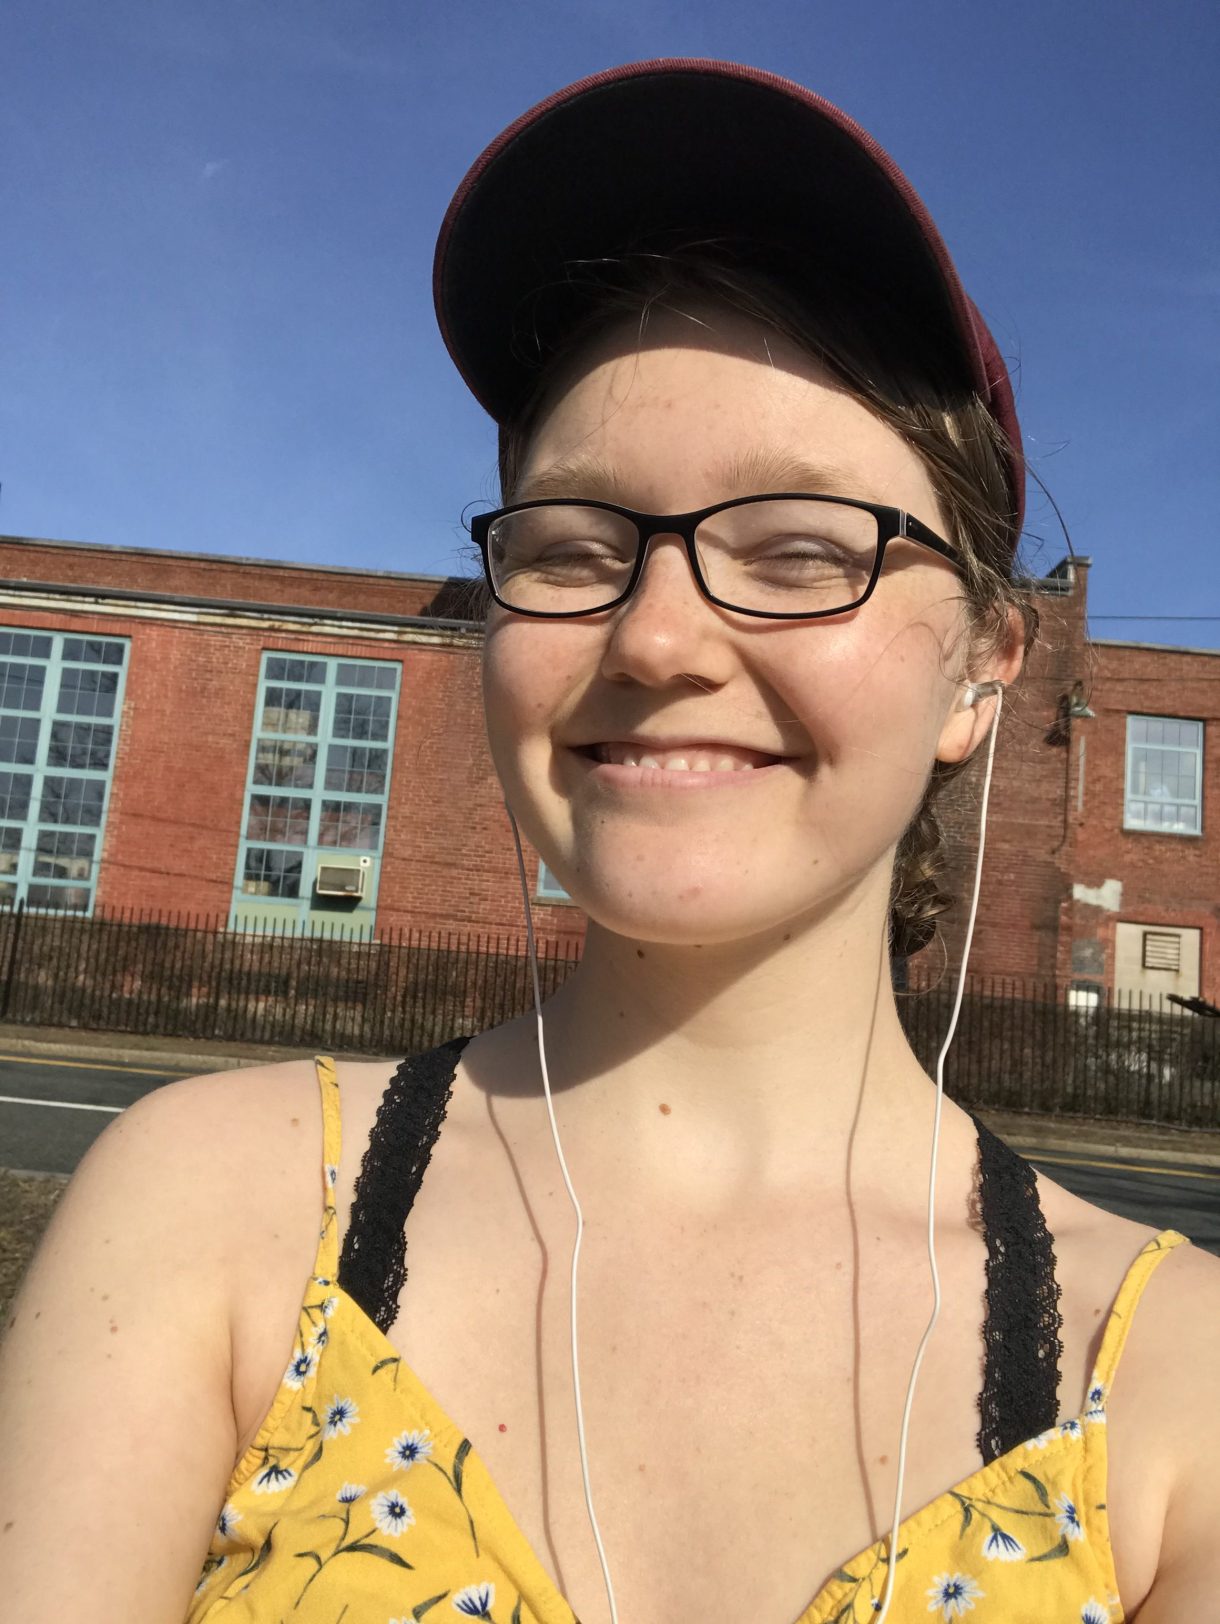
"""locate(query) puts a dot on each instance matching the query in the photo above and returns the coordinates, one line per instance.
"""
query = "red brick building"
(259, 742)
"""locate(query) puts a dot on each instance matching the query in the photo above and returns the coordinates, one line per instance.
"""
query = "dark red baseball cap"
(687, 150)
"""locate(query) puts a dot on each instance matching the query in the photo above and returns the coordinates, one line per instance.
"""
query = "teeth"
(700, 761)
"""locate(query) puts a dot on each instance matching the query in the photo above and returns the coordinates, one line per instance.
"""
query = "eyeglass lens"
(792, 556)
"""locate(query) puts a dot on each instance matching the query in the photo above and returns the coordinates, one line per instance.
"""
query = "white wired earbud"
(970, 697)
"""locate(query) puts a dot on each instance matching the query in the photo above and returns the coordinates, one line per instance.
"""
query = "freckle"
(839, 1264)
(1096, 1312)
(38, 1315)
(639, 1468)
(295, 1121)
(639, 952)
(883, 1460)
(787, 935)
(664, 1109)
(503, 1427)
(8, 1525)
(113, 1327)
(105, 1296)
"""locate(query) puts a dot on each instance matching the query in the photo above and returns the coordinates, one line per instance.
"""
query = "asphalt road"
(52, 1110)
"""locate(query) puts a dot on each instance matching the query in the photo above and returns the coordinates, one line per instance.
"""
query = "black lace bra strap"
(373, 1261)
(1020, 1396)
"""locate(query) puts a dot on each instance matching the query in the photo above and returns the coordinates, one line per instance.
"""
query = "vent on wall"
(1162, 950)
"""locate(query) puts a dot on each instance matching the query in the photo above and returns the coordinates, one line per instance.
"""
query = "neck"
(759, 1052)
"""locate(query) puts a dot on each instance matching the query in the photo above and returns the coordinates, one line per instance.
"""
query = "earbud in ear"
(974, 691)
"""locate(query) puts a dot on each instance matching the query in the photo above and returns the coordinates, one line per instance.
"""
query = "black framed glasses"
(788, 556)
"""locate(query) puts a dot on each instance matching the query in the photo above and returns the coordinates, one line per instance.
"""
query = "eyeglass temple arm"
(915, 530)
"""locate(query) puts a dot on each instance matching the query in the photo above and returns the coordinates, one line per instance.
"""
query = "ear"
(967, 725)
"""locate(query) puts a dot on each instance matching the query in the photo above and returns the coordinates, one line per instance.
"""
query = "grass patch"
(26, 1205)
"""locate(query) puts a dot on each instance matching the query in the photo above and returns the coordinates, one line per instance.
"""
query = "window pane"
(66, 898)
(84, 745)
(24, 643)
(270, 873)
(281, 818)
(15, 794)
(359, 768)
(279, 763)
(8, 894)
(362, 716)
(64, 856)
(93, 651)
(10, 850)
(21, 686)
(367, 676)
(291, 710)
(72, 800)
(280, 669)
(350, 823)
(19, 739)
(85, 692)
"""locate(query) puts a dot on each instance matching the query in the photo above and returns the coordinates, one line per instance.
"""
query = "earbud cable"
(894, 1553)
(580, 1222)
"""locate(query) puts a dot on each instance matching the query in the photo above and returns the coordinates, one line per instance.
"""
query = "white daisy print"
(321, 1280)
(273, 1478)
(341, 1415)
(301, 1368)
(1094, 1613)
(391, 1512)
(228, 1520)
(1066, 1517)
(408, 1448)
(1071, 1429)
(1041, 1441)
(329, 1304)
(954, 1594)
(319, 1339)
(1002, 1547)
(332, 1174)
(350, 1493)
(476, 1601)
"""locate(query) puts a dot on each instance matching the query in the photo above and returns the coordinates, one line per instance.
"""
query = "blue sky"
(217, 331)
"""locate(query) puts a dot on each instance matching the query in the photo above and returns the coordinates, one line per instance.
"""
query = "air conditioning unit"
(343, 878)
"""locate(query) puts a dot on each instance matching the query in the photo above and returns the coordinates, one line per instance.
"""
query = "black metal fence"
(189, 978)
(1020, 1045)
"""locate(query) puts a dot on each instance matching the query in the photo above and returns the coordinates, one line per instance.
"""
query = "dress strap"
(332, 1144)
(1114, 1337)
(1020, 1393)
(372, 1266)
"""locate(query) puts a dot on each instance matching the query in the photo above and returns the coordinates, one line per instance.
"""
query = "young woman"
(752, 602)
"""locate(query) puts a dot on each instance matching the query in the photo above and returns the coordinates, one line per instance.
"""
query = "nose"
(667, 629)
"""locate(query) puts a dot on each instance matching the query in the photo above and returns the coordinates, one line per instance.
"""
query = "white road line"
(63, 1105)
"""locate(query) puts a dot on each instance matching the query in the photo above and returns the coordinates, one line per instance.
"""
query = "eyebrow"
(754, 472)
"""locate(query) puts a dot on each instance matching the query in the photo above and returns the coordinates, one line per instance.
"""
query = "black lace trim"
(373, 1260)
(1021, 1345)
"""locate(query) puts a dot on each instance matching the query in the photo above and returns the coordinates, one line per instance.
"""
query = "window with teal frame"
(61, 697)
(316, 792)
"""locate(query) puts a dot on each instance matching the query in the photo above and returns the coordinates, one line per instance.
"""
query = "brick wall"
(448, 862)
(1162, 879)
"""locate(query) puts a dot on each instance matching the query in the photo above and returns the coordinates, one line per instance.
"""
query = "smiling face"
(819, 735)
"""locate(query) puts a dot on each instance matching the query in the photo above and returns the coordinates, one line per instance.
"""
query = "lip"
(696, 745)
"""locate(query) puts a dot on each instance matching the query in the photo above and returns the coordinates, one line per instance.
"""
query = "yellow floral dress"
(360, 1501)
